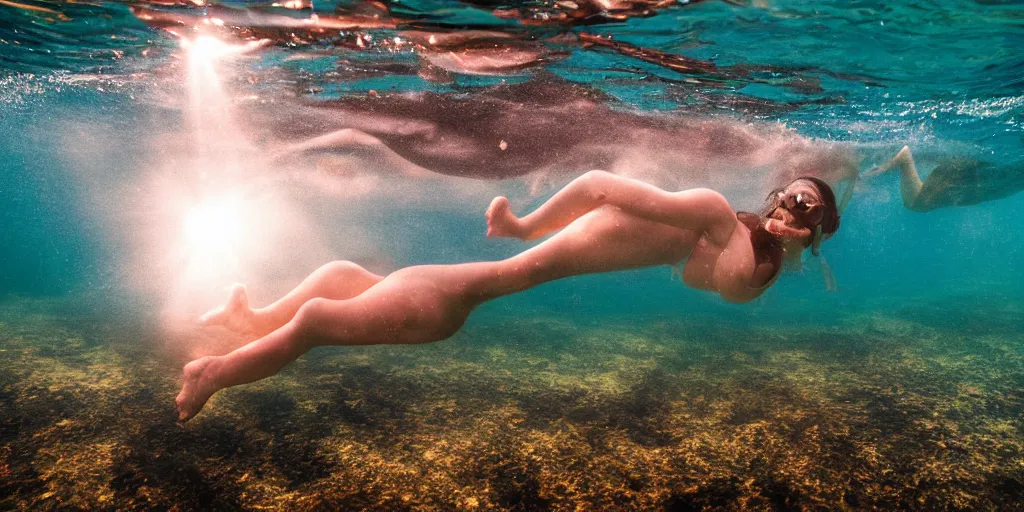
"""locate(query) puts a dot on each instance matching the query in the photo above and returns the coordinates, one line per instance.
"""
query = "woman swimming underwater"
(601, 223)
(955, 181)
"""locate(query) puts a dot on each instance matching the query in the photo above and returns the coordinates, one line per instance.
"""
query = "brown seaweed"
(880, 411)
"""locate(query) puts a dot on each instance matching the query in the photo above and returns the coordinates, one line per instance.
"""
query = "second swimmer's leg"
(910, 179)
(337, 280)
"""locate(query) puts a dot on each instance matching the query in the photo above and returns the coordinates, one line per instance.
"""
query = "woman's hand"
(780, 228)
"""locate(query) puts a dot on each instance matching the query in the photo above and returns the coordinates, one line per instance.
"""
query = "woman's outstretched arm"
(699, 209)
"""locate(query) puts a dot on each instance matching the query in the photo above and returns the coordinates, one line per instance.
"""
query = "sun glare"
(214, 237)
(206, 49)
(214, 225)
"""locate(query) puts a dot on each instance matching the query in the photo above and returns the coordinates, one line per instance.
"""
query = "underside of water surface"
(154, 153)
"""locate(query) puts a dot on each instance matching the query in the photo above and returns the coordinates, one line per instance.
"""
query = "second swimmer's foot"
(500, 219)
(901, 159)
(235, 315)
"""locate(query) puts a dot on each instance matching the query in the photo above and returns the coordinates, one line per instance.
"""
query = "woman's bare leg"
(568, 204)
(910, 180)
(430, 303)
(259, 359)
(411, 309)
(579, 197)
(337, 280)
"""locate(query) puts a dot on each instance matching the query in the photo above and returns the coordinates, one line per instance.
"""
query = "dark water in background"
(85, 88)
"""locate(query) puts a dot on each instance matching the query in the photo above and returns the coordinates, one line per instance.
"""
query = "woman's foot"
(501, 222)
(199, 386)
(235, 316)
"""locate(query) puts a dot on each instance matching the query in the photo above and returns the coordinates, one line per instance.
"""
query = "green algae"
(878, 411)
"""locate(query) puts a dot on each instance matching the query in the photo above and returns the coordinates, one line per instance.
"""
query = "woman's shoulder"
(765, 260)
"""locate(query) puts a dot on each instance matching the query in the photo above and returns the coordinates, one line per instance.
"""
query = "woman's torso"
(604, 240)
(609, 239)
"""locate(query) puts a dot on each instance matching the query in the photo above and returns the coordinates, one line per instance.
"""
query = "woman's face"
(797, 212)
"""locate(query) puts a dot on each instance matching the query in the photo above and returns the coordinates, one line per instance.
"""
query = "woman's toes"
(497, 205)
(239, 297)
(183, 414)
(196, 389)
(499, 217)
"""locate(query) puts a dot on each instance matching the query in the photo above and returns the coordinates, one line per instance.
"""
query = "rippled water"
(899, 66)
(861, 51)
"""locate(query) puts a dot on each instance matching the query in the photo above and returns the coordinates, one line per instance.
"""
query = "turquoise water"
(624, 391)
